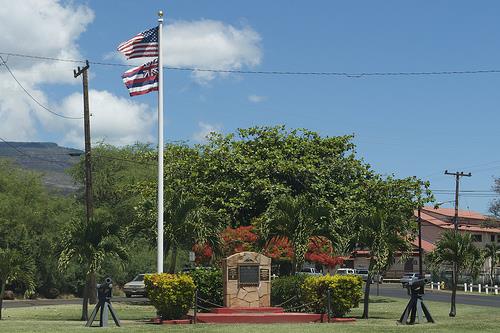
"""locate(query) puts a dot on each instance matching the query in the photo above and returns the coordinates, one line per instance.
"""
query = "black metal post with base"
(104, 293)
(416, 304)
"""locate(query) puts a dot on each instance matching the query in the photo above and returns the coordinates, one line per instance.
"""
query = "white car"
(407, 278)
(135, 287)
(309, 271)
(345, 271)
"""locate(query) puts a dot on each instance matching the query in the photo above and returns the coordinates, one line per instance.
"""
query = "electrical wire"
(274, 72)
(33, 98)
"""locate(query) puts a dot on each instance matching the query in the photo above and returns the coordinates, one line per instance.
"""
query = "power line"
(31, 96)
(274, 72)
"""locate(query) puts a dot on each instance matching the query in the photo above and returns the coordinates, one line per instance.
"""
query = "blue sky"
(403, 125)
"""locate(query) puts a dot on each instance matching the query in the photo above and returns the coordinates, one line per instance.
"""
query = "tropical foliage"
(171, 294)
(345, 293)
(455, 248)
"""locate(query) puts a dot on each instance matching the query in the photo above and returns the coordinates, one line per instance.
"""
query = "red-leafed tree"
(239, 239)
(234, 240)
(320, 250)
(203, 254)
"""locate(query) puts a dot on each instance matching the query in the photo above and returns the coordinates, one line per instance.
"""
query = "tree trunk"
(173, 262)
(453, 310)
(2, 291)
(85, 305)
(92, 287)
(367, 297)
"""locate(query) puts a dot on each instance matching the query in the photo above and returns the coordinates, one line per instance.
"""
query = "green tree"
(296, 219)
(31, 221)
(242, 173)
(491, 251)
(89, 244)
(455, 248)
(383, 232)
(186, 222)
(15, 267)
(495, 204)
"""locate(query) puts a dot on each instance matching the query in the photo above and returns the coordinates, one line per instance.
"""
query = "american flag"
(143, 79)
(144, 44)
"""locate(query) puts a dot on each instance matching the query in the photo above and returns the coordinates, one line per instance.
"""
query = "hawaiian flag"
(143, 79)
(144, 44)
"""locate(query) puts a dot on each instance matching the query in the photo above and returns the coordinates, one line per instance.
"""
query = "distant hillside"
(47, 158)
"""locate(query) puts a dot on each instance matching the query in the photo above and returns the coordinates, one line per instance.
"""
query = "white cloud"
(115, 120)
(257, 98)
(48, 28)
(204, 130)
(208, 44)
(51, 28)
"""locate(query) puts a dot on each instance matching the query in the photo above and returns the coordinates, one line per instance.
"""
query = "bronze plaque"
(232, 273)
(264, 274)
(249, 275)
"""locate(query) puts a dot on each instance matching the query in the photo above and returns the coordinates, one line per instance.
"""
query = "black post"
(195, 305)
(329, 304)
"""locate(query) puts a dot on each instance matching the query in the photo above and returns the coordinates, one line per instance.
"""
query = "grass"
(384, 312)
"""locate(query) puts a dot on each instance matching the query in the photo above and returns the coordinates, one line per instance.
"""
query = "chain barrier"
(208, 302)
(288, 300)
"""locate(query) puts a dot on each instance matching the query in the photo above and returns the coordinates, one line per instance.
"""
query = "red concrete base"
(259, 318)
(263, 316)
(263, 309)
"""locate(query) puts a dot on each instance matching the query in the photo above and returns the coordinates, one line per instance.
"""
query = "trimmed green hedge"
(345, 290)
(208, 282)
(288, 289)
(172, 295)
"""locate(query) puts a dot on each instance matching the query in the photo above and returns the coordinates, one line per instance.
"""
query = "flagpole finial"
(160, 14)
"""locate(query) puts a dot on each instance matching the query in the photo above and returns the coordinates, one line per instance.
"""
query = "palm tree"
(297, 219)
(89, 244)
(381, 232)
(455, 248)
(491, 251)
(14, 266)
(186, 222)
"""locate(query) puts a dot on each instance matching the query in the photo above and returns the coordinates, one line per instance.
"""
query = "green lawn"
(384, 313)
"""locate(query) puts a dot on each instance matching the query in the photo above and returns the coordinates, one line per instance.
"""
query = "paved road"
(43, 302)
(386, 289)
(395, 290)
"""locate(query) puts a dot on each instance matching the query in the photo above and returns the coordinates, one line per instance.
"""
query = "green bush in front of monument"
(286, 292)
(208, 282)
(171, 294)
(345, 292)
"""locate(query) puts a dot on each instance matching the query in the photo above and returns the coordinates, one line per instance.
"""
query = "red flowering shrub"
(241, 239)
(321, 251)
(238, 240)
(279, 249)
(203, 253)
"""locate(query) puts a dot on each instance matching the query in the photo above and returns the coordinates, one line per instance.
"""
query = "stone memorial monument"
(247, 280)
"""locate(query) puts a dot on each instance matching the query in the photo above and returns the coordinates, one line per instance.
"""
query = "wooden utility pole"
(457, 187)
(91, 283)
(457, 175)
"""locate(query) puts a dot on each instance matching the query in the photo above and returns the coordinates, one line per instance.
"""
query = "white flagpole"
(160, 146)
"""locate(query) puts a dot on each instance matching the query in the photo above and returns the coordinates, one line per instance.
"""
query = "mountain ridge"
(47, 158)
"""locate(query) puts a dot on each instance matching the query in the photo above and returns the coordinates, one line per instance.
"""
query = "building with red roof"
(435, 221)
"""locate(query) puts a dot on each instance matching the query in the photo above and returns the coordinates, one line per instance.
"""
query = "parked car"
(363, 273)
(309, 271)
(135, 287)
(408, 278)
(345, 271)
